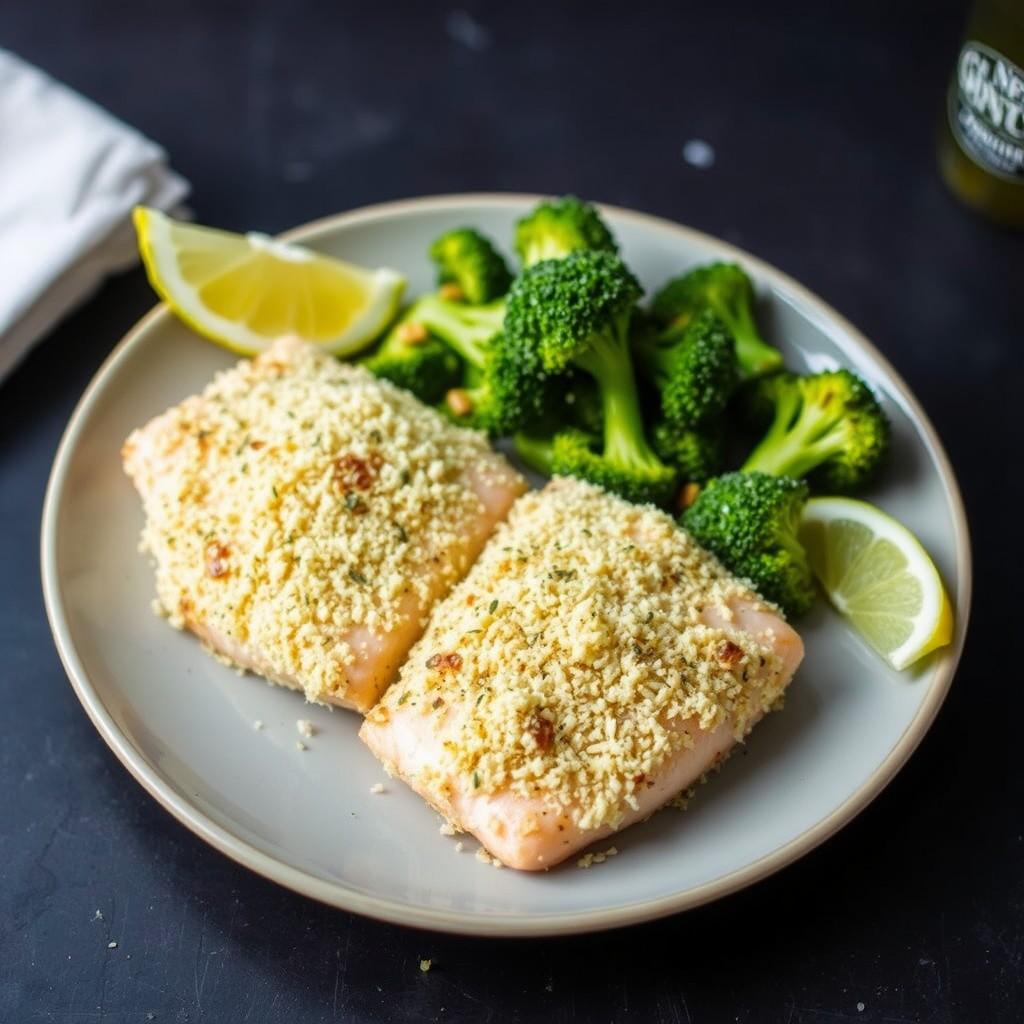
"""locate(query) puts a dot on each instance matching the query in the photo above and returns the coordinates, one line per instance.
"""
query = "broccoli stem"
(753, 354)
(467, 329)
(655, 357)
(800, 438)
(536, 452)
(608, 361)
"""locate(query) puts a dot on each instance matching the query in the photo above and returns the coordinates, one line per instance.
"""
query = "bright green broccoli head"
(572, 310)
(412, 359)
(693, 368)
(576, 453)
(727, 291)
(697, 455)
(506, 392)
(558, 227)
(572, 401)
(574, 314)
(826, 426)
(573, 452)
(468, 260)
(750, 521)
(502, 386)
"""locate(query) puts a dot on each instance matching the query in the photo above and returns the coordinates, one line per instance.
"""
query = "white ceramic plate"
(183, 724)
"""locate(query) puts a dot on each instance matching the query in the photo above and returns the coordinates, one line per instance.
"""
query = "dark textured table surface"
(822, 127)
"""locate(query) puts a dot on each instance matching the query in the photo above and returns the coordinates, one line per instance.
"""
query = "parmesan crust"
(563, 666)
(299, 509)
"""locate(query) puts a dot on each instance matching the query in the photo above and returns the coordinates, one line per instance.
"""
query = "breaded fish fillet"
(304, 517)
(593, 663)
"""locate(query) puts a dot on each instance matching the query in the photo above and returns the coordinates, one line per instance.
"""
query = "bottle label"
(986, 110)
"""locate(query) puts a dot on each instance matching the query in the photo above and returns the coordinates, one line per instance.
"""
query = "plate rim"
(517, 925)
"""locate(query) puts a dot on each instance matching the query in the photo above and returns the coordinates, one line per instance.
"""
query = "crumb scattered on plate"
(111, 945)
(300, 746)
(377, 788)
(596, 858)
(305, 727)
(485, 858)
(258, 724)
(682, 800)
(425, 965)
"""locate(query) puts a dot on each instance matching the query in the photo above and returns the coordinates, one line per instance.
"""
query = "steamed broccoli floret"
(827, 425)
(556, 228)
(468, 260)
(500, 395)
(693, 368)
(411, 358)
(572, 402)
(697, 454)
(726, 290)
(634, 476)
(574, 452)
(502, 387)
(750, 521)
(574, 312)
(468, 329)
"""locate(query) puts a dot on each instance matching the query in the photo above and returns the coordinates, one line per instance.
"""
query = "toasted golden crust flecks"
(565, 664)
(299, 508)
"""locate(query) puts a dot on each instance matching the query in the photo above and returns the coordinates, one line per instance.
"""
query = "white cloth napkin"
(70, 174)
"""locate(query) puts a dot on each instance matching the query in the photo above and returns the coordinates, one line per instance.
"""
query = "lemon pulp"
(243, 291)
(877, 574)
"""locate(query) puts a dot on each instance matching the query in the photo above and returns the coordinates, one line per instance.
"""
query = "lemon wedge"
(877, 574)
(243, 291)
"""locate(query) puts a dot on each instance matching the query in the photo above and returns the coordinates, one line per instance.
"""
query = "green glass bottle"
(981, 149)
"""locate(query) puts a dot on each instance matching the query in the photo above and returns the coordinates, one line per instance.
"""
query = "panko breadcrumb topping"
(564, 664)
(308, 499)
